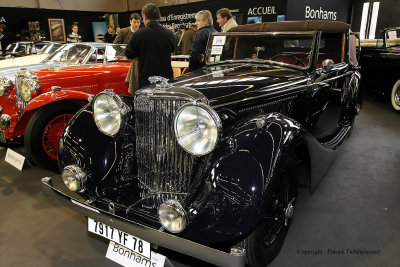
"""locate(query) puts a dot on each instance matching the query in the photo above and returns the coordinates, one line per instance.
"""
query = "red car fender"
(51, 97)
(46, 99)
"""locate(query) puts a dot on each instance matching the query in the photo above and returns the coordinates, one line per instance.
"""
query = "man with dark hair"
(124, 34)
(225, 19)
(178, 38)
(74, 37)
(152, 45)
(109, 35)
(5, 37)
(204, 23)
(187, 39)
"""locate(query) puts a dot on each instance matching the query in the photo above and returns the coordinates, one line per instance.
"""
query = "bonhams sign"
(317, 9)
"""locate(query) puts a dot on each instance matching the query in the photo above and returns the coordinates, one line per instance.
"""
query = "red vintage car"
(42, 102)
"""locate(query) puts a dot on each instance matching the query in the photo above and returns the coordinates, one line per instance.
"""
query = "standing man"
(124, 34)
(5, 37)
(109, 35)
(152, 45)
(187, 39)
(74, 37)
(178, 38)
(204, 23)
(225, 19)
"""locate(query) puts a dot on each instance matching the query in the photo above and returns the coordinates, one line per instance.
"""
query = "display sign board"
(257, 11)
(319, 10)
(127, 257)
(15, 159)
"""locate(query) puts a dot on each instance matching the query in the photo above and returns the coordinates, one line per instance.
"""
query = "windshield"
(70, 54)
(50, 48)
(288, 48)
(17, 48)
(115, 53)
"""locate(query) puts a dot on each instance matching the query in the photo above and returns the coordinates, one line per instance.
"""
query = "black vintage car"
(209, 164)
(380, 62)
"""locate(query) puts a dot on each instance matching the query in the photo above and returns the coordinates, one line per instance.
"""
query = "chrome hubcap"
(397, 96)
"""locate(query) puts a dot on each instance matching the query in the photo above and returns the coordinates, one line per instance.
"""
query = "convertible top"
(294, 26)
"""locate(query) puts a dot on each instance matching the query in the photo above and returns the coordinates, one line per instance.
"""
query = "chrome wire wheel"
(395, 96)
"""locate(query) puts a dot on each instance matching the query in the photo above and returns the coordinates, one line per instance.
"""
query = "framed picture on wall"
(57, 30)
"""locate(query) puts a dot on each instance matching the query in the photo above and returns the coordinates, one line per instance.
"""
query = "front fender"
(239, 184)
(51, 97)
(48, 98)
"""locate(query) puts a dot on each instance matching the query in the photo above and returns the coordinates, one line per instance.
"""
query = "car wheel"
(44, 130)
(395, 96)
(265, 241)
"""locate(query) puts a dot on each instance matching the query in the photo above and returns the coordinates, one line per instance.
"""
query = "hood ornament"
(160, 82)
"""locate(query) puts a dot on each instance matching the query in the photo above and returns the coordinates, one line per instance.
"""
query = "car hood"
(232, 82)
(10, 72)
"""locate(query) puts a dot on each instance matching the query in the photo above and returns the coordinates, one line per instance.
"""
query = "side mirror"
(327, 65)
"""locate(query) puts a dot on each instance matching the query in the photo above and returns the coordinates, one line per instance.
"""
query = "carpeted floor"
(352, 219)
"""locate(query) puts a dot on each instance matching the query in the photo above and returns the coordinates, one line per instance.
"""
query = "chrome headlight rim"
(5, 85)
(175, 205)
(29, 79)
(79, 175)
(214, 115)
(123, 110)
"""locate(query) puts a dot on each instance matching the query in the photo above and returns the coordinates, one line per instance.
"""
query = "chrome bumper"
(153, 236)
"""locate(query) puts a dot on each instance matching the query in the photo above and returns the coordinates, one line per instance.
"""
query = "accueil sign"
(263, 10)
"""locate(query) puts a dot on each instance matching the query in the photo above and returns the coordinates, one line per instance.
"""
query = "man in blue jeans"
(204, 23)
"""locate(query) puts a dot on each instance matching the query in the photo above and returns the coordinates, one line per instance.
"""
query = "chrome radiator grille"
(163, 166)
(21, 103)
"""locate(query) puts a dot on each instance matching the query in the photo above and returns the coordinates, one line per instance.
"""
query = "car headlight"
(5, 85)
(109, 113)
(74, 178)
(172, 216)
(26, 90)
(28, 83)
(197, 128)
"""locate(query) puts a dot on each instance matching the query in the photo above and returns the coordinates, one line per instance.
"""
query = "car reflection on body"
(208, 164)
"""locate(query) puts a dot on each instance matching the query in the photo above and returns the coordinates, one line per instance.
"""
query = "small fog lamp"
(74, 178)
(172, 216)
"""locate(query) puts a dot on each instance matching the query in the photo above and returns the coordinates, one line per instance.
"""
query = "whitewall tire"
(395, 96)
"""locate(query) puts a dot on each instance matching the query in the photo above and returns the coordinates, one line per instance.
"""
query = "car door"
(330, 86)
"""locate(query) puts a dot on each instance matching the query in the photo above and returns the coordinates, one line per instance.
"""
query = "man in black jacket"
(109, 35)
(5, 37)
(152, 45)
(204, 23)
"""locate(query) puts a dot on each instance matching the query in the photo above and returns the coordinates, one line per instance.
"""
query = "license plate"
(131, 242)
